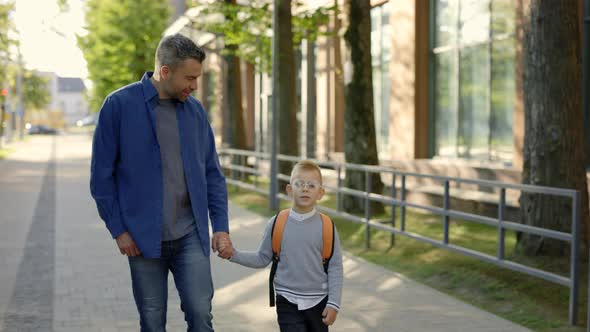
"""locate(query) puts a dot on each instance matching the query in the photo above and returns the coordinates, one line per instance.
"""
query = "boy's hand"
(226, 248)
(221, 243)
(329, 316)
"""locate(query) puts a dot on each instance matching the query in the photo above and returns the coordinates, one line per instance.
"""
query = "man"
(156, 180)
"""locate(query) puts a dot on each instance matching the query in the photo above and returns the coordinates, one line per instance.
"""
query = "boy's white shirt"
(299, 216)
(302, 303)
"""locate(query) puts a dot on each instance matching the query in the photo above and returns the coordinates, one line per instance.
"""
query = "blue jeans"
(191, 270)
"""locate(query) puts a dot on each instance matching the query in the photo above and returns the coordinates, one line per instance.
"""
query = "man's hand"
(221, 243)
(225, 247)
(329, 316)
(127, 245)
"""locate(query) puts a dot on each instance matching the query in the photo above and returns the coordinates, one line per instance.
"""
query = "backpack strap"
(328, 240)
(278, 226)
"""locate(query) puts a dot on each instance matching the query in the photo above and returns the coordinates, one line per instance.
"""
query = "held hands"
(127, 245)
(329, 316)
(221, 243)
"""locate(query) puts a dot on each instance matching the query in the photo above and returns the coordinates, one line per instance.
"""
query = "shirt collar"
(299, 216)
(149, 90)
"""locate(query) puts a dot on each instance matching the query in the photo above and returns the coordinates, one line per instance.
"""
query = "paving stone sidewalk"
(61, 271)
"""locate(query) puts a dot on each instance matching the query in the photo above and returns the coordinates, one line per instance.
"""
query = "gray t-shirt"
(300, 271)
(177, 214)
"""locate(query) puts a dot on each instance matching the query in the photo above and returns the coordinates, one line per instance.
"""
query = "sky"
(48, 37)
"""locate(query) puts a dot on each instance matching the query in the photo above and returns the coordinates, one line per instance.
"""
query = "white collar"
(299, 217)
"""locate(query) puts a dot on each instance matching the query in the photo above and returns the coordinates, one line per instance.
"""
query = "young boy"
(307, 294)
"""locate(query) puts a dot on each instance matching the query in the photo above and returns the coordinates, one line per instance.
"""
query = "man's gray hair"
(176, 48)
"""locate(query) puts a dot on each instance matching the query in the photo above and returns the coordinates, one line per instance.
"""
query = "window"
(381, 55)
(473, 54)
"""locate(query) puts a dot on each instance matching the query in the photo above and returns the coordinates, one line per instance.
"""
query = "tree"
(360, 146)
(35, 91)
(245, 30)
(35, 88)
(5, 42)
(121, 42)
(63, 5)
(248, 28)
(6, 25)
(288, 129)
(553, 142)
(237, 132)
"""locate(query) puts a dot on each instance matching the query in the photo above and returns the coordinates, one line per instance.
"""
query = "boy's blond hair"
(306, 165)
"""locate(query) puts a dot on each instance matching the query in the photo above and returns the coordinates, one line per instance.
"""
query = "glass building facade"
(381, 36)
(473, 55)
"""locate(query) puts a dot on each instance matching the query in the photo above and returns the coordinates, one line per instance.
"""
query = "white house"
(71, 99)
(67, 94)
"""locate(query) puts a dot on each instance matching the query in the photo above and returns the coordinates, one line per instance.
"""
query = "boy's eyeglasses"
(300, 185)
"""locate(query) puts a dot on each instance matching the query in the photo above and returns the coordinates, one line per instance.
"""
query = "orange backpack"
(278, 227)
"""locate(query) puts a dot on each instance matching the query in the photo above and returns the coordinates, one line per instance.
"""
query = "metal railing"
(258, 160)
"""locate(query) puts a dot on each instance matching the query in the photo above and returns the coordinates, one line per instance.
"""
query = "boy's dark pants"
(293, 320)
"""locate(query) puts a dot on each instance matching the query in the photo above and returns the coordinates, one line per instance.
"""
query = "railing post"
(273, 187)
(256, 170)
(244, 163)
(339, 186)
(367, 210)
(393, 209)
(232, 171)
(403, 207)
(574, 258)
(446, 205)
(501, 231)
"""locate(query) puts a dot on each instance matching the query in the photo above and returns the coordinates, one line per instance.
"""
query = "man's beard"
(175, 94)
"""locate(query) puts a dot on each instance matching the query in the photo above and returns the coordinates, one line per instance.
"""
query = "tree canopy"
(249, 28)
(121, 42)
(35, 88)
(35, 91)
(6, 25)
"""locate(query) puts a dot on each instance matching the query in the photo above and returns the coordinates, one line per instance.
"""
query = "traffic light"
(3, 94)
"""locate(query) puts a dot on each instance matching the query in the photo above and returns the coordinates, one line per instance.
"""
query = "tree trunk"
(288, 126)
(584, 10)
(235, 112)
(553, 143)
(237, 132)
(360, 145)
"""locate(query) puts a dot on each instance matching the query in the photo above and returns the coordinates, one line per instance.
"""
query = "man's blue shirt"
(126, 169)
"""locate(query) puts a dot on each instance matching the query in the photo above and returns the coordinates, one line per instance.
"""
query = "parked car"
(87, 121)
(41, 130)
